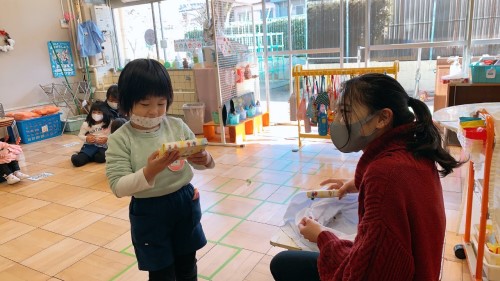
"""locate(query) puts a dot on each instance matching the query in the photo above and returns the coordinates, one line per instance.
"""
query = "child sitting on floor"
(94, 132)
(9, 167)
(117, 123)
(112, 101)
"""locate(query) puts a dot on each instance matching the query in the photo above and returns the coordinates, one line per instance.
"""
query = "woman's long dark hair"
(379, 91)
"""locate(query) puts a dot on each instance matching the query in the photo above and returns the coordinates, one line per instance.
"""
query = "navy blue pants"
(92, 151)
(295, 266)
(8, 168)
(165, 227)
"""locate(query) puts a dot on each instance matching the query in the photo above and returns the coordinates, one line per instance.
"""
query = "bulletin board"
(61, 59)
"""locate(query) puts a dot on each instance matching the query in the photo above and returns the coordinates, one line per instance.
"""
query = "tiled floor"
(68, 226)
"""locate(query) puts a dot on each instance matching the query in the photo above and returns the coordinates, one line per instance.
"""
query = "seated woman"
(402, 224)
(338, 216)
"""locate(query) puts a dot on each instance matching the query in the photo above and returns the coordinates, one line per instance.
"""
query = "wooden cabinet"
(472, 93)
(441, 89)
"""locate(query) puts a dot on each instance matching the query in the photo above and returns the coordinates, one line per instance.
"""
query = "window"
(299, 9)
(172, 20)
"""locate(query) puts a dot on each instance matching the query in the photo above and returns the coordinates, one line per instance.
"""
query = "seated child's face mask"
(97, 117)
(146, 122)
(113, 105)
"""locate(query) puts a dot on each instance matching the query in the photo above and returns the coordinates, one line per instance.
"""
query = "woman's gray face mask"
(354, 141)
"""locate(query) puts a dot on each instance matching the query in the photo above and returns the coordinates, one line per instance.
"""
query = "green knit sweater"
(128, 152)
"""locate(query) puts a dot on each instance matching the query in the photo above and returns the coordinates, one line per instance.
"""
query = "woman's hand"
(157, 164)
(201, 158)
(310, 229)
(342, 187)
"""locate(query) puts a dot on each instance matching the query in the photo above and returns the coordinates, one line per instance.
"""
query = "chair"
(11, 127)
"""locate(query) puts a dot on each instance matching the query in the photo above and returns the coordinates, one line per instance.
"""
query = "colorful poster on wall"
(61, 59)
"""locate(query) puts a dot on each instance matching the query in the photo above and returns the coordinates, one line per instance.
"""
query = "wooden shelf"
(238, 132)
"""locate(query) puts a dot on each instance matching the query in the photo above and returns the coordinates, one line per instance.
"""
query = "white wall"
(31, 23)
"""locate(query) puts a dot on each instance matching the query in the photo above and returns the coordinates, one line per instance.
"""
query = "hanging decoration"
(8, 41)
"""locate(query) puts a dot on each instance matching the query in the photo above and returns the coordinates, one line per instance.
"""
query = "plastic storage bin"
(491, 258)
(74, 123)
(215, 117)
(485, 73)
(40, 128)
(492, 271)
(194, 114)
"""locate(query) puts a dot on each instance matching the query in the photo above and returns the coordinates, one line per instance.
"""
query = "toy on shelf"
(472, 137)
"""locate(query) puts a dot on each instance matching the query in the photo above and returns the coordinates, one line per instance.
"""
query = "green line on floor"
(291, 195)
(229, 246)
(217, 188)
(284, 202)
(255, 208)
(227, 215)
(123, 271)
(124, 251)
(237, 195)
(214, 204)
(225, 263)
(228, 232)
(257, 188)
(236, 225)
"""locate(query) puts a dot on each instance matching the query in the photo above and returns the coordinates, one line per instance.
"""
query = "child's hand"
(90, 139)
(157, 164)
(196, 194)
(201, 158)
(101, 140)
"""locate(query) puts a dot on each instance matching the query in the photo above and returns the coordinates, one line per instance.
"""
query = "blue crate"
(40, 128)
(485, 73)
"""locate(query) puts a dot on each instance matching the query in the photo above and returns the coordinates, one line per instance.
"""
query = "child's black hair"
(142, 78)
(117, 123)
(112, 92)
(106, 114)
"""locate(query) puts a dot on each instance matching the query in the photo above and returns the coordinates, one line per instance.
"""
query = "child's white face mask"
(146, 122)
(113, 105)
(97, 117)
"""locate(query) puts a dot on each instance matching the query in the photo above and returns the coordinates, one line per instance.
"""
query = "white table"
(448, 117)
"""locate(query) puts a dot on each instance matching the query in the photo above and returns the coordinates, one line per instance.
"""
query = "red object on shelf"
(240, 75)
(478, 133)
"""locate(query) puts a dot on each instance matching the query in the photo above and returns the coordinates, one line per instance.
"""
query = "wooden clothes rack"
(299, 72)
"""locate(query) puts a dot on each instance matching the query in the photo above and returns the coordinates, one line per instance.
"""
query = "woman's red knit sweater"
(401, 218)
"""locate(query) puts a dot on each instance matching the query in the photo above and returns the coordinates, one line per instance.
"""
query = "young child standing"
(164, 209)
(94, 132)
